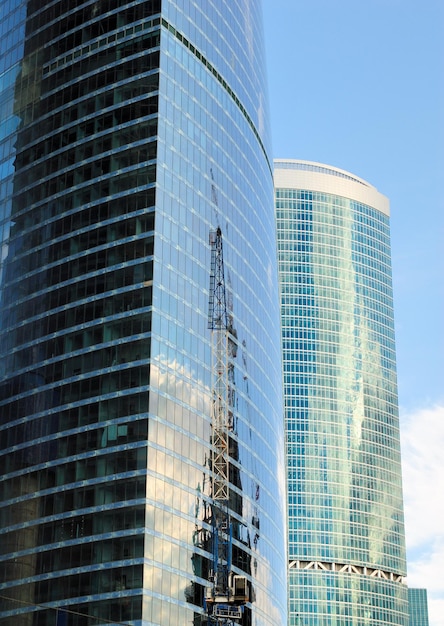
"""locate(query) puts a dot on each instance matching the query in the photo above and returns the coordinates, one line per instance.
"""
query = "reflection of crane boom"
(229, 592)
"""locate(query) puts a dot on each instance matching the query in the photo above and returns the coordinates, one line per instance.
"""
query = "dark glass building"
(128, 131)
(346, 552)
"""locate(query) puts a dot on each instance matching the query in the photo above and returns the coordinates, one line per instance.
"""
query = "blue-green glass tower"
(418, 609)
(128, 131)
(345, 532)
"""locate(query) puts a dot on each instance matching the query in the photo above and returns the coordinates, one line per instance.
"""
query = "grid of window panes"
(342, 431)
(124, 144)
(324, 598)
(418, 608)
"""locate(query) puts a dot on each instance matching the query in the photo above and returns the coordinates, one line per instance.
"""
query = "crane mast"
(228, 593)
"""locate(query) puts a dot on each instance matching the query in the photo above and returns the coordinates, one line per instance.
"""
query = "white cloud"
(422, 440)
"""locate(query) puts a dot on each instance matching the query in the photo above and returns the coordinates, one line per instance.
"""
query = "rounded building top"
(295, 173)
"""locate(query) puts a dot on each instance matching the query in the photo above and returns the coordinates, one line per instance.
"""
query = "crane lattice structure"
(228, 593)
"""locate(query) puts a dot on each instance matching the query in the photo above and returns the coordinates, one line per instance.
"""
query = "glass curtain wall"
(346, 530)
(128, 131)
(418, 609)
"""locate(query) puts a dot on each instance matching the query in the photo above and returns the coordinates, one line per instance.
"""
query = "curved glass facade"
(128, 131)
(346, 529)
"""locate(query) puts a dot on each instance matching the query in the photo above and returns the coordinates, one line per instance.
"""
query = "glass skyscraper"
(128, 131)
(346, 532)
(418, 609)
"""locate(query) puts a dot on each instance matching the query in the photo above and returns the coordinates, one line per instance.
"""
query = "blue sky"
(360, 85)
